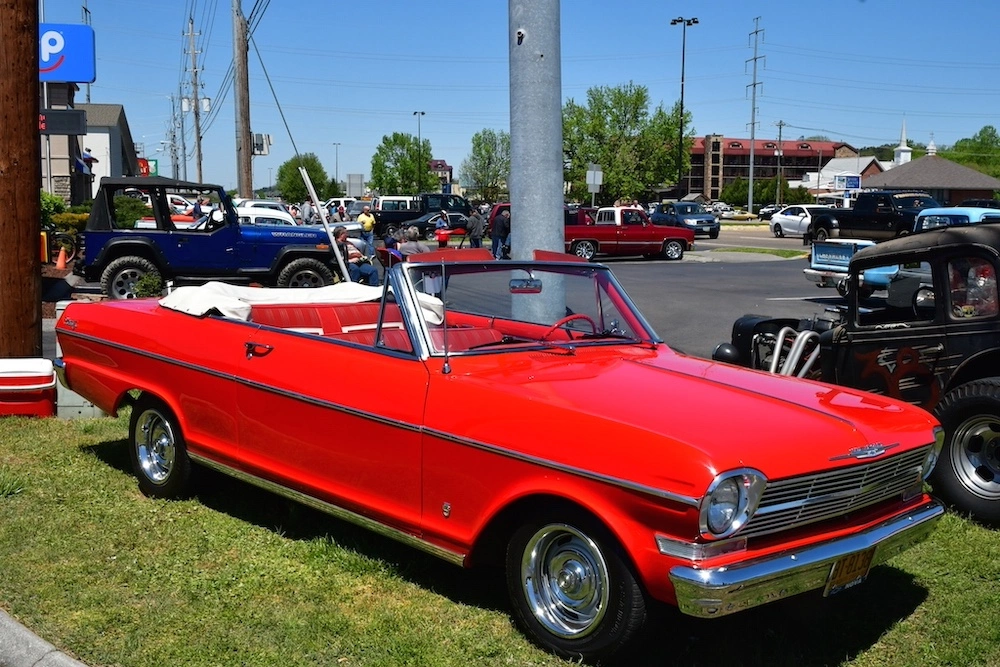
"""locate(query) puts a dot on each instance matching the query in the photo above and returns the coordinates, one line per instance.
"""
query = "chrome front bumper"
(823, 277)
(726, 590)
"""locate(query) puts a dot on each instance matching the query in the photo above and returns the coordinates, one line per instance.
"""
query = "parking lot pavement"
(19, 647)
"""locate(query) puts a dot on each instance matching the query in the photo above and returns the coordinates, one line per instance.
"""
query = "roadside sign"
(66, 53)
(72, 122)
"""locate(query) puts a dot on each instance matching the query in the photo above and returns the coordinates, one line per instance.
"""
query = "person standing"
(367, 221)
(501, 233)
(474, 230)
(306, 212)
(341, 215)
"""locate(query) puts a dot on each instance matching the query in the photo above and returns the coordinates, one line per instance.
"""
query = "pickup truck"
(877, 215)
(626, 230)
(392, 212)
(119, 251)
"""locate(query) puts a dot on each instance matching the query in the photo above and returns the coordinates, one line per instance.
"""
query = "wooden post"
(20, 182)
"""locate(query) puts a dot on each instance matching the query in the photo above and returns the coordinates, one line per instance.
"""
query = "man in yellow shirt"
(367, 221)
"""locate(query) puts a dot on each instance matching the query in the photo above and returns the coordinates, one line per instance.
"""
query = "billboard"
(66, 53)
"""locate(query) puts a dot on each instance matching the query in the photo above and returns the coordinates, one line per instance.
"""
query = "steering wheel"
(566, 320)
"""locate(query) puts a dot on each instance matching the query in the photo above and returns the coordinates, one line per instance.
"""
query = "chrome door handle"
(257, 349)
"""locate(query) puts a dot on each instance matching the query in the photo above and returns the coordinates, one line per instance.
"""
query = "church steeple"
(902, 153)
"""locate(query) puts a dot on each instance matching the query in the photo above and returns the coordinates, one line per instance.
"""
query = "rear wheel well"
(983, 365)
(131, 249)
(491, 545)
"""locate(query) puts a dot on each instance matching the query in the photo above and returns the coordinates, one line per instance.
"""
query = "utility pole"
(173, 137)
(191, 34)
(86, 21)
(183, 131)
(684, 23)
(420, 150)
(755, 35)
(241, 83)
(20, 182)
(336, 167)
(781, 151)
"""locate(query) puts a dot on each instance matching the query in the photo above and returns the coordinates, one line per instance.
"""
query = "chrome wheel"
(584, 249)
(673, 250)
(565, 579)
(155, 446)
(975, 456)
(778, 233)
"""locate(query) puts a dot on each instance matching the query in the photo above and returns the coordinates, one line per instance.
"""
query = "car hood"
(664, 420)
(700, 217)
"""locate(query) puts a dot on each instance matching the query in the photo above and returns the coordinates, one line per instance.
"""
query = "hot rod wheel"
(967, 474)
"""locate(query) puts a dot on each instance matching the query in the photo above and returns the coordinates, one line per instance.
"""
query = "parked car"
(933, 218)
(981, 203)
(118, 251)
(427, 224)
(795, 220)
(930, 337)
(767, 210)
(255, 215)
(336, 202)
(877, 215)
(261, 203)
(626, 230)
(691, 215)
(595, 505)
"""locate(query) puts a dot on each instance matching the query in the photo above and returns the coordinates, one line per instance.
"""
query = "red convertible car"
(598, 475)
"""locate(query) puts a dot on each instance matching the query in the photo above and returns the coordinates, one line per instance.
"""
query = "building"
(109, 141)
(717, 161)
(948, 182)
(444, 172)
(76, 162)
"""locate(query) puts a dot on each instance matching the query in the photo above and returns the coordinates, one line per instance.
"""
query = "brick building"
(717, 161)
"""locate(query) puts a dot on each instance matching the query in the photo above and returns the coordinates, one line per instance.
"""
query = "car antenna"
(446, 369)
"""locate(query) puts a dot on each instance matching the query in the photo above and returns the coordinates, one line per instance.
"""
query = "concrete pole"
(20, 182)
(191, 34)
(536, 150)
(241, 80)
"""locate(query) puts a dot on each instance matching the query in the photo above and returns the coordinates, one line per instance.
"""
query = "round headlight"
(731, 500)
(723, 505)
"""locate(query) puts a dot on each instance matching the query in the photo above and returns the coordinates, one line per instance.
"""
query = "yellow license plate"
(849, 571)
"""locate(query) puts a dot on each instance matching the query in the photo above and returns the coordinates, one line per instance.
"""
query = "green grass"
(237, 576)
(779, 252)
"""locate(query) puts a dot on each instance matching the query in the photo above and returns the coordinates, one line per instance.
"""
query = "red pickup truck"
(625, 230)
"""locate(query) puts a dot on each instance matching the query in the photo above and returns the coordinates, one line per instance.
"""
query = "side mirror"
(923, 302)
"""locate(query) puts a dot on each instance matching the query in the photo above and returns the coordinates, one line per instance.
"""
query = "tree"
(980, 152)
(488, 166)
(290, 184)
(636, 150)
(400, 165)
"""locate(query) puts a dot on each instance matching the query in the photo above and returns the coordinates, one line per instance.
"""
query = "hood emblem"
(869, 451)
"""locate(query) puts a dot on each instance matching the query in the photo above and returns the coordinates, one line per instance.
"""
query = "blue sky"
(351, 72)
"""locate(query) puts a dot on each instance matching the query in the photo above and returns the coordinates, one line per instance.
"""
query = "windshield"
(915, 201)
(513, 306)
(689, 209)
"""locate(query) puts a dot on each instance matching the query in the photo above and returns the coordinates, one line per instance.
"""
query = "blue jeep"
(119, 249)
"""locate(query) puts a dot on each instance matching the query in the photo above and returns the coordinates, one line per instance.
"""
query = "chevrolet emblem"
(870, 451)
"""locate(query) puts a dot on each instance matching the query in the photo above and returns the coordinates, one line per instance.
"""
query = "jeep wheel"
(305, 272)
(119, 278)
(673, 249)
(968, 473)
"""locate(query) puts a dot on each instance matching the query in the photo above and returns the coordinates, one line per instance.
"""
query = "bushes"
(50, 205)
(70, 222)
(128, 210)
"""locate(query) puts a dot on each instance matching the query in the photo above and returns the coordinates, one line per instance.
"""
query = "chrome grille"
(789, 503)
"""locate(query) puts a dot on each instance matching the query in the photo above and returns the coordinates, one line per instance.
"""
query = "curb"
(19, 647)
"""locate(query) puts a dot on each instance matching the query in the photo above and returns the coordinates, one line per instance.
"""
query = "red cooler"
(27, 387)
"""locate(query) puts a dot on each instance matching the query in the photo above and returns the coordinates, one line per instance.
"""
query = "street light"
(336, 166)
(684, 23)
(420, 147)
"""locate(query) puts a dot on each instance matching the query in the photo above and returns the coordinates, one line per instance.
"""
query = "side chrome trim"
(452, 557)
(465, 442)
(714, 592)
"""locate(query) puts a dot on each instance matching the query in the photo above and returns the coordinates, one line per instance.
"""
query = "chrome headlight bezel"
(745, 488)
(935, 452)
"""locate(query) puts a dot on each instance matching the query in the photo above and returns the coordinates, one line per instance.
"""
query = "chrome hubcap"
(155, 446)
(565, 581)
(975, 458)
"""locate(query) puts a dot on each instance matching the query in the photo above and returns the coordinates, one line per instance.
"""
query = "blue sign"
(66, 53)
(853, 183)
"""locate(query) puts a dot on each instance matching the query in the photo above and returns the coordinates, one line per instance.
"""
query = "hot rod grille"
(789, 503)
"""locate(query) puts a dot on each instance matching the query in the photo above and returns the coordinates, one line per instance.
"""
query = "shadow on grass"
(806, 630)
